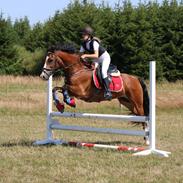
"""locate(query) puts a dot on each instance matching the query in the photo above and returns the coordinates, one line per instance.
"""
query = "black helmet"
(87, 30)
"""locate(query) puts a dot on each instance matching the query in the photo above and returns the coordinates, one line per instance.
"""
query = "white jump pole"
(152, 116)
(49, 135)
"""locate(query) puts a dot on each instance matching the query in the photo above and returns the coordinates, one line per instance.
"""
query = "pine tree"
(9, 63)
(132, 35)
(171, 39)
(35, 39)
(125, 37)
(22, 29)
(144, 43)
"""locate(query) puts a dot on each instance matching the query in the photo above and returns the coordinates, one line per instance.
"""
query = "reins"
(65, 68)
(80, 61)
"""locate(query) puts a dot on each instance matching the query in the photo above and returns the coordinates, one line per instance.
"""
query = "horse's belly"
(95, 97)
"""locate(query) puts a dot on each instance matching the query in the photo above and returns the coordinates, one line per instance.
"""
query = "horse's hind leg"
(139, 110)
(125, 101)
(136, 105)
(135, 96)
(135, 109)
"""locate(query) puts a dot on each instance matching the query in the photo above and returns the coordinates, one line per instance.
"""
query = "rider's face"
(85, 37)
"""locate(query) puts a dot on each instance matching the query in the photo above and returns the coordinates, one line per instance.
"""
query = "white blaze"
(45, 65)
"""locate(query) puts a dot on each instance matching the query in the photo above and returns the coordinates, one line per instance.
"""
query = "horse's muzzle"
(46, 74)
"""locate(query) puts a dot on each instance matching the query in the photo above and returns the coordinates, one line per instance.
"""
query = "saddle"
(116, 84)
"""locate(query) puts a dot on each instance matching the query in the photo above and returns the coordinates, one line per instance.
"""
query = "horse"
(80, 84)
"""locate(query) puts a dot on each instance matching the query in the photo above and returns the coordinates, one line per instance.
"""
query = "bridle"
(71, 65)
(49, 72)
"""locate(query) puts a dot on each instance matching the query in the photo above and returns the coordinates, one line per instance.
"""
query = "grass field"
(22, 121)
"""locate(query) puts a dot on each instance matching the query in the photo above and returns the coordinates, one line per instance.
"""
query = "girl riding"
(92, 49)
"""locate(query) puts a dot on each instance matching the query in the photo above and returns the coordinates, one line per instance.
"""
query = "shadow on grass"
(29, 143)
(23, 143)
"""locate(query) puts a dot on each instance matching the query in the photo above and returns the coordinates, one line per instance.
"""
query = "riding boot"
(107, 93)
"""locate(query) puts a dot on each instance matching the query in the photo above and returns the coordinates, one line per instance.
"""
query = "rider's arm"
(96, 51)
(94, 55)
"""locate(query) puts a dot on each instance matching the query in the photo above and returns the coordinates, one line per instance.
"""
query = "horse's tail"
(145, 97)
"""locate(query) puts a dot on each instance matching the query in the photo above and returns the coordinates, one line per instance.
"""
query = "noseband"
(48, 72)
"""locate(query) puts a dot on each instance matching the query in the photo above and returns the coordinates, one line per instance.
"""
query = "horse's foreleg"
(67, 99)
(58, 104)
(57, 88)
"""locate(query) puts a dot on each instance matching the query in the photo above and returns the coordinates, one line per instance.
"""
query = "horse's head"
(60, 57)
(52, 63)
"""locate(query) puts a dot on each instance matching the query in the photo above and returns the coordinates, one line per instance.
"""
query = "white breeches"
(105, 61)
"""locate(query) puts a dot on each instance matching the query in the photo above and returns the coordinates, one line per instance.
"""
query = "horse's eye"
(49, 60)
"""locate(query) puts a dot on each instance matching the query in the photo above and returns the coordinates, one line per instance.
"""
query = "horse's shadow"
(23, 143)
(29, 143)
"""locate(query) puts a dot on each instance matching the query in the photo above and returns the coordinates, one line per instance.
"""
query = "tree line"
(132, 35)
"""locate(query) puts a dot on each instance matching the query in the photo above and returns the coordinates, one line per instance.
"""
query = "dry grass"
(22, 121)
(170, 95)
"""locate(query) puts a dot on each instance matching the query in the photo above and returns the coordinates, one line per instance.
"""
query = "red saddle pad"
(115, 86)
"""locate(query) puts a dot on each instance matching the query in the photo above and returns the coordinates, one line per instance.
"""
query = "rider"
(92, 46)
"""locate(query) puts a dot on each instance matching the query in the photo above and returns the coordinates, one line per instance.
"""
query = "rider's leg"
(107, 94)
(105, 65)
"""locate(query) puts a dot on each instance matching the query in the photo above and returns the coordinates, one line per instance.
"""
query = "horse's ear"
(49, 53)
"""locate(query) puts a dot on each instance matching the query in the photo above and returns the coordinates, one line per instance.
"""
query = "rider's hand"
(83, 56)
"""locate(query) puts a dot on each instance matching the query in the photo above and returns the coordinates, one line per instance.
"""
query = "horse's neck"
(72, 63)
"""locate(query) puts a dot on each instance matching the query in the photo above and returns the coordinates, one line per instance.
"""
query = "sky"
(39, 10)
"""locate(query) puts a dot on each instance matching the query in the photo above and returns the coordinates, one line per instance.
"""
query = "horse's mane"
(66, 47)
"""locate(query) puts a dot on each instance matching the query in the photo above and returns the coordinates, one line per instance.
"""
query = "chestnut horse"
(79, 81)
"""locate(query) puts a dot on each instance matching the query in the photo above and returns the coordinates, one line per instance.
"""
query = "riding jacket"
(91, 46)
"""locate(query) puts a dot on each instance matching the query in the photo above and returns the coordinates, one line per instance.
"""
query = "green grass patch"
(24, 122)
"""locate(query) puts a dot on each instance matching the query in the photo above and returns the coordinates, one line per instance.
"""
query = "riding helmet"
(87, 30)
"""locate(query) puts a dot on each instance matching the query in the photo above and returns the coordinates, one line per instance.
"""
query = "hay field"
(22, 121)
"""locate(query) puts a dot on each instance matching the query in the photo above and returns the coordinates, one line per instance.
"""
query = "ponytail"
(97, 39)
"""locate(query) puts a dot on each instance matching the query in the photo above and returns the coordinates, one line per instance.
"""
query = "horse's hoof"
(60, 107)
(147, 142)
